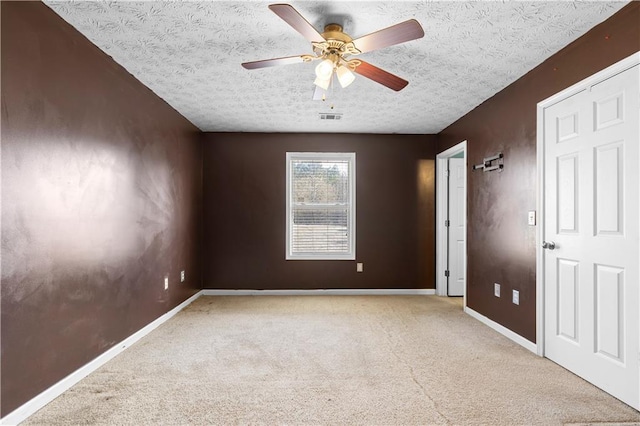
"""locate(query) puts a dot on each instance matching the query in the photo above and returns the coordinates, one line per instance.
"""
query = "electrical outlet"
(359, 267)
(166, 283)
(516, 297)
(531, 219)
(181, 276)
(496, 290)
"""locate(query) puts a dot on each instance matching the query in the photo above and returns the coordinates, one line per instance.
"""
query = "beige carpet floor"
(335, 360)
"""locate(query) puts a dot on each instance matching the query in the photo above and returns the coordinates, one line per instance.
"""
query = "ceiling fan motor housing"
(334, 32)
(337, 44)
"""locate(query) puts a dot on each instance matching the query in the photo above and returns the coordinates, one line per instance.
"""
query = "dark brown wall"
(101, 187)
(501, 246)
(244, 210)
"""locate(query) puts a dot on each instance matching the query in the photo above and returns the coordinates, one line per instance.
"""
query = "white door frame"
(441, 214)
(585, 84)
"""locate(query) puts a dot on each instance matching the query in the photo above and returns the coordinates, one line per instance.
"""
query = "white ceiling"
(189, 53)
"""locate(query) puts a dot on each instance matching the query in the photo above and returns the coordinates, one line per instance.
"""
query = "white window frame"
(351, 220)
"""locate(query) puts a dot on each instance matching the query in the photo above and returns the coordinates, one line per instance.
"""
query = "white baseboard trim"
(27, 409)
(322, 292)
(503, 330)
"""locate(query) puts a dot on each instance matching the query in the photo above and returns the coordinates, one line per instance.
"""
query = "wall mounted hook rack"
(488, 163)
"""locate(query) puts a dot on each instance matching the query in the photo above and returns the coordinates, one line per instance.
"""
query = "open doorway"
(451, 221)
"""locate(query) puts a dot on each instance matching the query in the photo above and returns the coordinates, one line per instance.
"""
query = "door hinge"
(447, 173)
(447, 222)
(446, 273)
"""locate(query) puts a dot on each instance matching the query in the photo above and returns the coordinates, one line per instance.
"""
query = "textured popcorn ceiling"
(189, 53)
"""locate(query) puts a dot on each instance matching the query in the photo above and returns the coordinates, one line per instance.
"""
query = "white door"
(456, 227)
(591, 280)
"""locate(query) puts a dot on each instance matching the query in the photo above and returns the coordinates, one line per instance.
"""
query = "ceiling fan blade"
(273, 62)
(396, 34)
(293, 18)
(381, 76)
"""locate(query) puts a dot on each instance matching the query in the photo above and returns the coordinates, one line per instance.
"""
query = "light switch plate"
(181, 276)
(359, 267)
(516, 297)
(166, 283)
(496, 290)
(532, 218)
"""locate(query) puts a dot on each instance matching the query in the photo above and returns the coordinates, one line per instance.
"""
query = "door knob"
(550, 245)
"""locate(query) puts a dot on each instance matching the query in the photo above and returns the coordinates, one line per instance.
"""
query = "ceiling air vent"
(330, 116)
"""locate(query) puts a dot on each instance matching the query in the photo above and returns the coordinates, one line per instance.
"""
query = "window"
(321, 204)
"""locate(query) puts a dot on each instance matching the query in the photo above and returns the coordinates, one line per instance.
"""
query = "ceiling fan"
(333, 48)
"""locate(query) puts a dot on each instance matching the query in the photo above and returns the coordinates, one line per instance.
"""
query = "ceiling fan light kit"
(334, 46)
(324, 70)
(323, 83)
(345, 77)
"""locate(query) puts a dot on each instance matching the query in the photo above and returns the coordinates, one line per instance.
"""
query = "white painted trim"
(441, 213)
(27, 409)
(442, 198)
(540, 230)
(322, 292)
(608, 72)
(515, 337)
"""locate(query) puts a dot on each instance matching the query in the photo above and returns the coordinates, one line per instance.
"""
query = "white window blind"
(320, 206)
